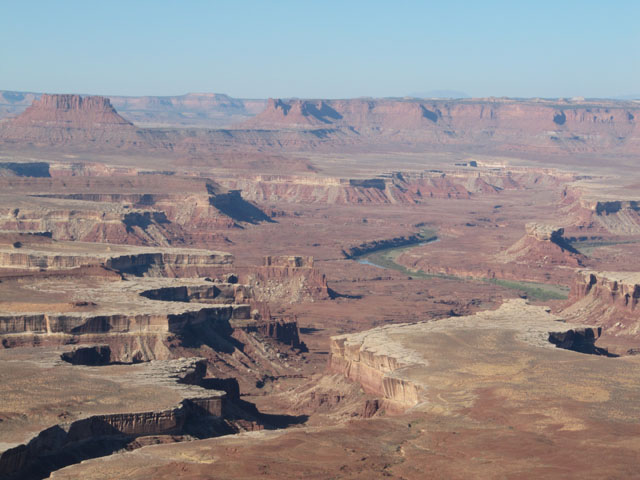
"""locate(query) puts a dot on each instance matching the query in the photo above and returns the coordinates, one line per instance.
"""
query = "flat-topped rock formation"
(503, 124)
(392, 361)
(144, 387)
(137, 319)
(48, 254)
(538, 127)
(91, 124)
(72, 111)
(69, 120)
(392, 187)
(157, 400)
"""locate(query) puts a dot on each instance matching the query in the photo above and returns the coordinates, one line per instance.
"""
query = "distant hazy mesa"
(491, 125)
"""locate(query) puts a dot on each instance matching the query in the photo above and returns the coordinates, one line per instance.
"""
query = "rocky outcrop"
(544, 233)
(543, 246)
(620, 289)
(166, 261)
(148, 262)
(84, 324)
(69, 119)
(71, 111)
(99, 435)
(618, 217)
(390, 188)
(606, 299)
(288, 279)
(375, 371)
(284, 330)
(288, 261)
(125, 208)
(104, 224)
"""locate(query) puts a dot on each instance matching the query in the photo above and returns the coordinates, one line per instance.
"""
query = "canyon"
(209, 287)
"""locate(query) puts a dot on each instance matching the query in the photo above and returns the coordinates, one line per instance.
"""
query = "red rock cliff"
(71, 110)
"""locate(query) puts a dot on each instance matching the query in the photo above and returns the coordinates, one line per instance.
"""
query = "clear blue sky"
(324, 48)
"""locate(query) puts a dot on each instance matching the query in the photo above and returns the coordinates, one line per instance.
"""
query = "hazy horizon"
(416, 95)
(325, 50)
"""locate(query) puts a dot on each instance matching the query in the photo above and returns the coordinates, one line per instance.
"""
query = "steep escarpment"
(491, 125)
(375, 370)
(69, 119)
(118, 323)
(286, 279)
(201, 412)
(606, 299)
(72, 111)
(76, 123)
(404, 363)
(219, 293)
(140, 261)
(397, 187)
(281, 329)
(504, 124)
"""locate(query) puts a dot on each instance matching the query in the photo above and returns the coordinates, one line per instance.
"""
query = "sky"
(322, 49)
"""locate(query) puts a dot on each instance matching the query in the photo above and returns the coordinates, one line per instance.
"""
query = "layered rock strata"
(94, 434)
(531, 126)
(392, 361)
(393, 187)
(127, 260)
(607, 299)
(288, 279)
